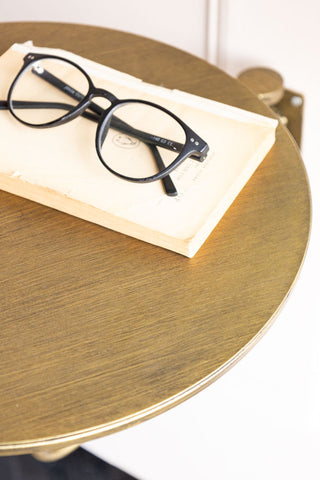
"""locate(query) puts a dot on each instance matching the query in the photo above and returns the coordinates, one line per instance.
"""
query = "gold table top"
(100, 331)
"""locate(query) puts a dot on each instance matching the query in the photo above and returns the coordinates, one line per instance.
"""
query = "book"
(59, 167)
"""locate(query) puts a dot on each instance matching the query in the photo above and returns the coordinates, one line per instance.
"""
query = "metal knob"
(267, 84)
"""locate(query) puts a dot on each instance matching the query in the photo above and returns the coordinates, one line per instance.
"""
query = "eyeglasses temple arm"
(57, 105)
(166, 181)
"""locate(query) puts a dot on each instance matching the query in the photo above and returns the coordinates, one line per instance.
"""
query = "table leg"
(51, 455)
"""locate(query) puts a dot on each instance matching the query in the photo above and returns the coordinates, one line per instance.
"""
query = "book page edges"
(230, 195)
(61, 202)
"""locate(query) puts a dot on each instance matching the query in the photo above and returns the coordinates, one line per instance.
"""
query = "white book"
(59, 167)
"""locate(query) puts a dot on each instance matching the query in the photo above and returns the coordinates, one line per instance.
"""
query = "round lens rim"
(186, 151)
(76, 111)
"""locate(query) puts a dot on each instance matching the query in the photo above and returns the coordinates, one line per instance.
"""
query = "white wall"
(179, 23)
(283, 35)
(262, 419)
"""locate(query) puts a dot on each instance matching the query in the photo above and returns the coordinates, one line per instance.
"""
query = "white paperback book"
(59, 167)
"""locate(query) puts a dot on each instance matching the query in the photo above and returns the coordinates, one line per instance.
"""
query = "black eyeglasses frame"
(194, 146)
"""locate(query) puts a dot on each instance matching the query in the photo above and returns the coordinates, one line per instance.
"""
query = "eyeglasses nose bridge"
(101, 92)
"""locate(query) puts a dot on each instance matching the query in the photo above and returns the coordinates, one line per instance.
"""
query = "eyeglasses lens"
(38, 96)
(129, 137)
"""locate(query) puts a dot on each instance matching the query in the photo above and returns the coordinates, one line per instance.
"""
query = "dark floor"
(79, 465)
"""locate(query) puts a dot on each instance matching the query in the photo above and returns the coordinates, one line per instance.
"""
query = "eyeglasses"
(154, 141)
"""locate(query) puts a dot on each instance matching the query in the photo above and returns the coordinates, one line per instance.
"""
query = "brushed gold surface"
(266, 83)
(100, 331)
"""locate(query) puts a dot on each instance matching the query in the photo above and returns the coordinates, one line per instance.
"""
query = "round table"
(100, 331)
